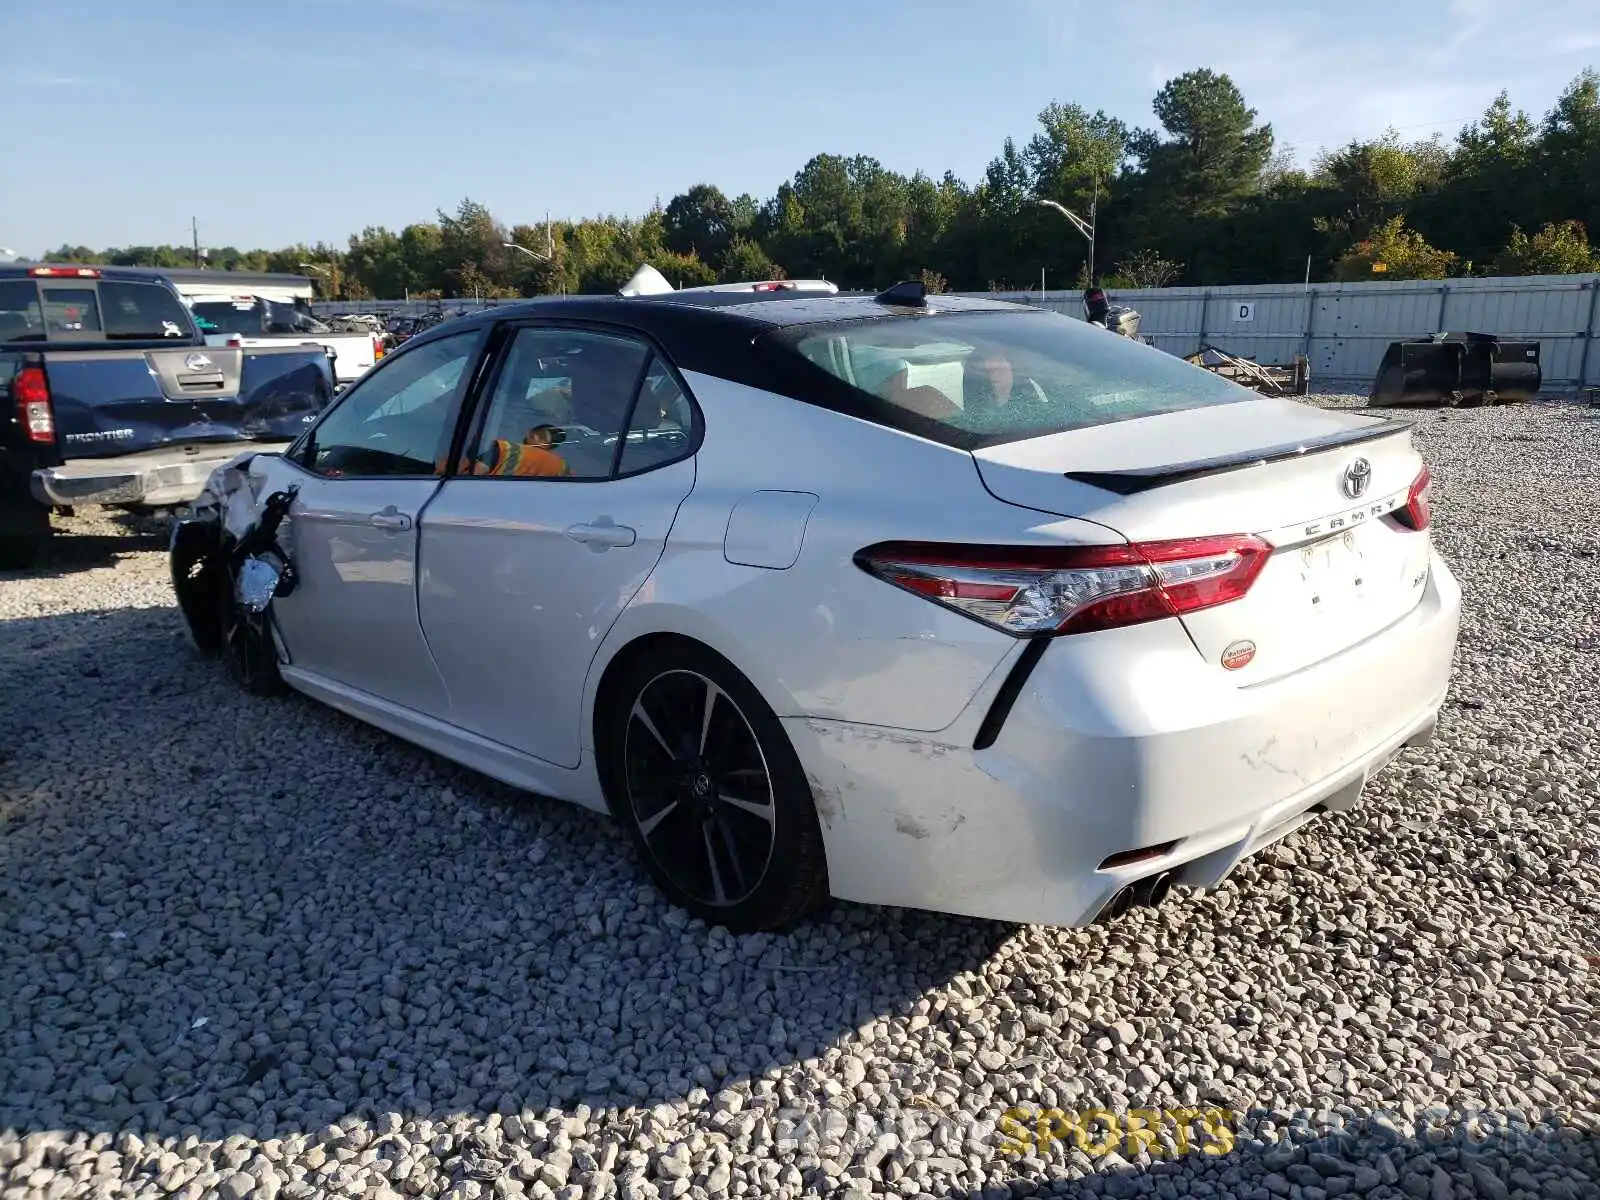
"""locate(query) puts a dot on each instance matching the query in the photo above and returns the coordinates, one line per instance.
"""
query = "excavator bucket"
(1457, 368)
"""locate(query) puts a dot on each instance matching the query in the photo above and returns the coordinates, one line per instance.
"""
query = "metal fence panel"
(1344, 328)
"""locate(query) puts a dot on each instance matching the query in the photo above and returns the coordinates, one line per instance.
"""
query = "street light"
(316, 270)
(1084, 227)
(533, 254)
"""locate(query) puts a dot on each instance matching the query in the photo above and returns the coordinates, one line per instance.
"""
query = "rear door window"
(142, 311)
(559, 406)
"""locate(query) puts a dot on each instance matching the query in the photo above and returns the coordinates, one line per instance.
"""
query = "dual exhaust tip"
(1149, 892)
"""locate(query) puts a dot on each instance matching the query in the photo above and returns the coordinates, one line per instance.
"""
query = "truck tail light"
(64, 272)
(1032, 590)
(377, 347)
(31, 391)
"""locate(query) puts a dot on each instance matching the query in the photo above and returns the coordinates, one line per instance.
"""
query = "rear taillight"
(377, 347)
(1029, 590)
(236, 342)
(31, 391)
(64, 272)
(1418, 512)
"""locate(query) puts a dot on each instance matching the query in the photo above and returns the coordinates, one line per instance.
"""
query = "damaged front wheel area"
(248, 645)
(223, 607)
(226, 583)
(199, 579)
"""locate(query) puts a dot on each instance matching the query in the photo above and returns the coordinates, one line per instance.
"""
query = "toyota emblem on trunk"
(1356, 478)
(198, 362)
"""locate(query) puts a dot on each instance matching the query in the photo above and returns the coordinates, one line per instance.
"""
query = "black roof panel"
(783, 308)
(768, 309)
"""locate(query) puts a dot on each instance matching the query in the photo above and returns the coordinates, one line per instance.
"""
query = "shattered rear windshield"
(973, 379)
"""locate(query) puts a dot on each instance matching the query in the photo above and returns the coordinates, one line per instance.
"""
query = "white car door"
(525, 571)
(365, 473)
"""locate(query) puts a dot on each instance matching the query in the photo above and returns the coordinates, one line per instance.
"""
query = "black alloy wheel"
(711, 791)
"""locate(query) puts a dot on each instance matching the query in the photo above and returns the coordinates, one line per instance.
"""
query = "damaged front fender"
(228, 566)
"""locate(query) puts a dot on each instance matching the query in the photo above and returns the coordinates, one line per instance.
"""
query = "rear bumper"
(157, 478)
(1119, 742)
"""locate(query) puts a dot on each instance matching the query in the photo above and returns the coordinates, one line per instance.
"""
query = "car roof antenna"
(913, 293)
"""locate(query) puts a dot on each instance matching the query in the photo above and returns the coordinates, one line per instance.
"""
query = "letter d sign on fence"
(1244, 310)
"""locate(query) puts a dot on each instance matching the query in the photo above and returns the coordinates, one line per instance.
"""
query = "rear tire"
(702, 776)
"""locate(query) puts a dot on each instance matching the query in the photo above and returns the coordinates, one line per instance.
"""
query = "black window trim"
(469, 381)
(505, 332)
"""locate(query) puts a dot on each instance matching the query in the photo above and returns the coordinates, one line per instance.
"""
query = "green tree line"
(1204, 196)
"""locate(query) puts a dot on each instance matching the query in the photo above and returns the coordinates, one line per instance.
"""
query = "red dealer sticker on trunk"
(1238, 654)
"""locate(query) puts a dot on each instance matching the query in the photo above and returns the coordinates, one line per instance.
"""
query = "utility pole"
(194, 228)
(1094, 207)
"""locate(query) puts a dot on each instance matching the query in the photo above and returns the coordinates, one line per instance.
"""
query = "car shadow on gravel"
(80, 544)
(227, 916)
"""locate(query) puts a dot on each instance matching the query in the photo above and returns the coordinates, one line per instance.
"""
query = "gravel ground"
(255, 949)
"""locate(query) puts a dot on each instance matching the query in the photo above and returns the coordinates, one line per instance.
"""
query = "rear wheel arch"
(615, 674)
(793, 881)
(639, 644)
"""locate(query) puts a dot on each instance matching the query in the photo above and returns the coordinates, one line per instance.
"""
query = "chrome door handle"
(389, 519)
(602, 535)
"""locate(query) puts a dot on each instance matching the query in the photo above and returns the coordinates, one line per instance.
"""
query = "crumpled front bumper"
(155, 478)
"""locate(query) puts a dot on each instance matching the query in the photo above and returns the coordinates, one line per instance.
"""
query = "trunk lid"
(1342, 569)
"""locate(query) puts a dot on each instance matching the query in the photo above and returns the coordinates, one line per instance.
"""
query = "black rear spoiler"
(1134, 480)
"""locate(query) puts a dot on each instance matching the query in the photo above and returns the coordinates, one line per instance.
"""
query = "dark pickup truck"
(109, 395)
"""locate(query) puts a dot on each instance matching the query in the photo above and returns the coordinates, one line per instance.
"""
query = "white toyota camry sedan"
(903, 599)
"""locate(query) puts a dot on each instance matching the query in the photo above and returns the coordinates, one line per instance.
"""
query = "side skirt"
(579, 786)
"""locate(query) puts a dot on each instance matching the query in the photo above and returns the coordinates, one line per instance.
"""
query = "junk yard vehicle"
(109, 395)
(250, 321)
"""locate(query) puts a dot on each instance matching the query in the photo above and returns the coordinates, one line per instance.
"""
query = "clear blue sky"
(275, 121)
